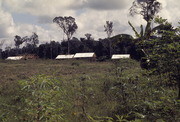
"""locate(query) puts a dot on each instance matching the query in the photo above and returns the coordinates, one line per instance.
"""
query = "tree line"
(51, 49)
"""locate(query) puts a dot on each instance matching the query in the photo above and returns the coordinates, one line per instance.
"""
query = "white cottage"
(120, 56)
(89, 55)
(60, 57)
(15, 58)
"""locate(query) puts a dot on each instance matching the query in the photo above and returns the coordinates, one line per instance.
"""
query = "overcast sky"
(22, 17)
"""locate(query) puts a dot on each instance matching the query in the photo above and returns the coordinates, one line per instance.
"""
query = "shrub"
(39, 99)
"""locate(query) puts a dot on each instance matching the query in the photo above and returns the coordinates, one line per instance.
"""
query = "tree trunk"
(68, 47)
(179, 90)
(147, 30)
(110, 52)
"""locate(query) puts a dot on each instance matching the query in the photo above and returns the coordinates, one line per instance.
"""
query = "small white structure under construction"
(60, 57)
(15, 58)
(120, 56)
(89, 55)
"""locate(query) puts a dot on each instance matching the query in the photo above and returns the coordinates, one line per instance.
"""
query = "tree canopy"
(18, 41)
(147, 8)
(108, 28)
(68, 25)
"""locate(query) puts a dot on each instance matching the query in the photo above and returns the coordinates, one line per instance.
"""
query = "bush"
(39, 99)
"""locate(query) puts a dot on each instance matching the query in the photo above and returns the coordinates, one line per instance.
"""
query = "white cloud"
(105, 4)
(170, 10)
(54, 7)
(6, 24)
(39, 7)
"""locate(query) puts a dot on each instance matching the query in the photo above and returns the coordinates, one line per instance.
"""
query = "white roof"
(64, 56)
(14, 58)
(84, 55)
(119, 56)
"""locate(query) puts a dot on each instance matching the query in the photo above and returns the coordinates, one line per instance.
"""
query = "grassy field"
(18, 70)
(90, 91)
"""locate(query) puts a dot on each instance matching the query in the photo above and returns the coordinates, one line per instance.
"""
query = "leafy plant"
(41, 99)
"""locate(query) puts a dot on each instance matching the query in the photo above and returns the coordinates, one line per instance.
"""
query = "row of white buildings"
(89, 55)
